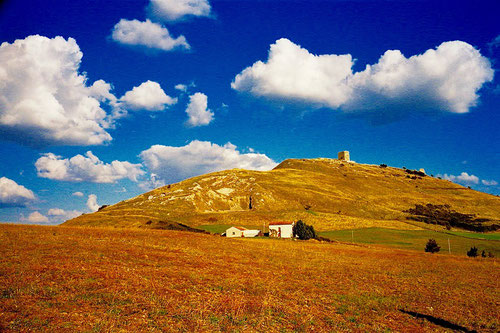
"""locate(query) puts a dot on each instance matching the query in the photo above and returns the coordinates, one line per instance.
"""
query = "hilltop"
(329, 194)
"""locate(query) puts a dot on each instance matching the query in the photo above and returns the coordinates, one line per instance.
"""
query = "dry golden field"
(58, 279)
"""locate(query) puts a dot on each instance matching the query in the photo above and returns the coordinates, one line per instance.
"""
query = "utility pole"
(352, 235)
(449, 247)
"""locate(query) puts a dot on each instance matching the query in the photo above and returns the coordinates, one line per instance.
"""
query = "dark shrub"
(472, 252)
(432, 246)
(415, 172)
(383, 165)
(483, 254)
(443, 215)
(303, 231)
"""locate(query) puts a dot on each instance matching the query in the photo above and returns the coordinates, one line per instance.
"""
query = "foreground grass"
(79, 279)
(460, 242)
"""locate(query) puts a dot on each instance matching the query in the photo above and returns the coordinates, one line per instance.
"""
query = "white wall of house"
(251, 233)
(281, 230)
(234, 232)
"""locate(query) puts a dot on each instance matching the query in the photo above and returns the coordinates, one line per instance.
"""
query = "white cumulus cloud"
(60, 215)
(77, 194)
(181, 87)
(43, 97)
(13, 194)
(92, 203)
(86, 168)
(173, 10)
(489, 182)
(36, 217)
(199, 157)
(294, 73)
(147, 34)
(147, 96)
(446, 78)
(464, 177)
(101, 90)
(55, 212)
(153, 182)
(197, 110)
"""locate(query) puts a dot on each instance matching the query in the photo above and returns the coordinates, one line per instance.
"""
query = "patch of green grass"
(416, 239)
(478, 235)
(215, 228)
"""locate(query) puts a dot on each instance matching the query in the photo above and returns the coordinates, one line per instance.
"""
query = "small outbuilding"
(241, 232)
(281, 229)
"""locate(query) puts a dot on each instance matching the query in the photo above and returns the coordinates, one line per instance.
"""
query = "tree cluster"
(303, 231)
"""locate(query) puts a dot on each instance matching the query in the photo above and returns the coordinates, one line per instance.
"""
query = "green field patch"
(214, 228)
(478, 235)
(460, 242)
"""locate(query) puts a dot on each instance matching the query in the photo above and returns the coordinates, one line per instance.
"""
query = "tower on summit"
(344, 156)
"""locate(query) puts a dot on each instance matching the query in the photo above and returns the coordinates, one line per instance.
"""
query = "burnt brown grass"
(93, 279)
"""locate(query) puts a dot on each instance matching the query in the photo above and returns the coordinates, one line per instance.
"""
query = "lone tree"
(432, 246)
(472, 252)
(303, 231)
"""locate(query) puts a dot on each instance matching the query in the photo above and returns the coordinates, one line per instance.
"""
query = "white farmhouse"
(235, 232)
(241, 232)
(281, 229)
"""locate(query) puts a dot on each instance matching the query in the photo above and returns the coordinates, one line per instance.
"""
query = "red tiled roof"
(280, 223)
(241, 228)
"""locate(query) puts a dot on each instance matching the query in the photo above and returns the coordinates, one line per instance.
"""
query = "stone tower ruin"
(344, 156)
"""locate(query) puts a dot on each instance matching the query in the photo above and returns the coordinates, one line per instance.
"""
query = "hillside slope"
(330, 194)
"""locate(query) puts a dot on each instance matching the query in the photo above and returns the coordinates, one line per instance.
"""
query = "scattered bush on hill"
(102, 207)
(415, 172)
(432, 246)
(472, 252)
(383, 165)
(443, 215)
(303, 231)
(487, 255)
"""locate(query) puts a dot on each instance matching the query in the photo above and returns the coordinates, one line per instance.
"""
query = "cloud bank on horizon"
(446, 78)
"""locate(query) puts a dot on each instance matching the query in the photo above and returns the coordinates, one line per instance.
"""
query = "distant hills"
(327, 193)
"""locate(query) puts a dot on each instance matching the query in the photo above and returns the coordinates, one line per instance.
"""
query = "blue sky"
(161, 90)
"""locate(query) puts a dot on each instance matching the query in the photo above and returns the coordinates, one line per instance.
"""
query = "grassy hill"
(329, 194)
